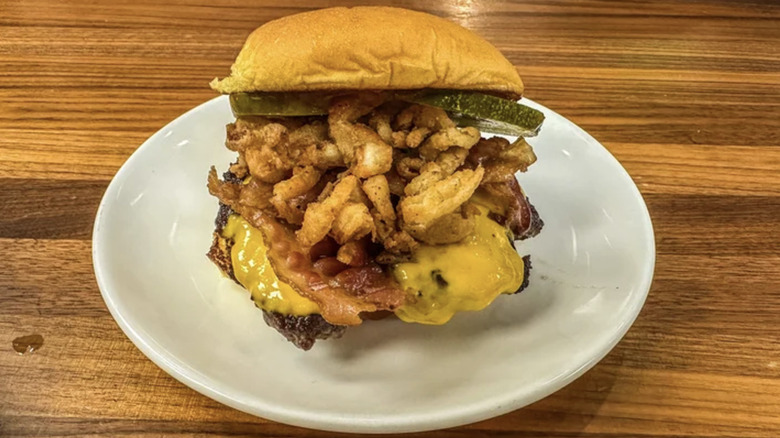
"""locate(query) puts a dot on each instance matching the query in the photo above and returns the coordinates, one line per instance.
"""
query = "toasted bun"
(364, 48)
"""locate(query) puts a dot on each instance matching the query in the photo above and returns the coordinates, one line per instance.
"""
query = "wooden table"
(685, 94)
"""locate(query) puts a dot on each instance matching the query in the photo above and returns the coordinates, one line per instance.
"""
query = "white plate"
(592, 267)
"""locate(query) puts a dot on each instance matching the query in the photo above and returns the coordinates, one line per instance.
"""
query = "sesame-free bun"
(368, 48)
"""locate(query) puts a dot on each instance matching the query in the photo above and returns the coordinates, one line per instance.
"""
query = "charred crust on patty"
(219, 254)
(223, 214)
(526, 274)
(230, 177)
(303, 331)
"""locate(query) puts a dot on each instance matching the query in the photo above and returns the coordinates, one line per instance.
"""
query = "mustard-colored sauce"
(467, 275)
(253, 270)
(440, 281)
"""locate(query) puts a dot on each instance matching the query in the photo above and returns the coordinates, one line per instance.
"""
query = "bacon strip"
(293, 265)
(371, 284)
(519, 216)
(341, 297)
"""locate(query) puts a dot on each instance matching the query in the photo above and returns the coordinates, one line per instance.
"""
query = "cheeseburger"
(367, 180)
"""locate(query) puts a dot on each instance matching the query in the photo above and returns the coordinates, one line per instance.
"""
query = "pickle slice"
(485, 112)
(279, 104)
(488, 113)
(492, 126)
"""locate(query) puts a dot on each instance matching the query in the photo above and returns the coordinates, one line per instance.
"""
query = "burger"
(368, 179)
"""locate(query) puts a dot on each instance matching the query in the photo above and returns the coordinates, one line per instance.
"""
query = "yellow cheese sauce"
(440, 281)
(468, 275)
(253, 270)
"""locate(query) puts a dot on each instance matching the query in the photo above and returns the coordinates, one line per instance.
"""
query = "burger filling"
(252, 270)
(382, 204)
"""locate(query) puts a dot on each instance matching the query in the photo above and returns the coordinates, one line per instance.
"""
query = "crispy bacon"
(329, 266)
(500, 158)
(326, 247)
(342, 292)
(226, 191)
(519, 215)
(372, 284)
(354, 253)
(293, 265)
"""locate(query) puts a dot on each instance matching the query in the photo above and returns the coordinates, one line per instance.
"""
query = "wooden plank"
(49, 209)
(686, 95)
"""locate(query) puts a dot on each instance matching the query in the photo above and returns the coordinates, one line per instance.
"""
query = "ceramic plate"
(592, 267)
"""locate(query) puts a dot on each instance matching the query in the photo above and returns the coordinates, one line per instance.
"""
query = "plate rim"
(450, 417)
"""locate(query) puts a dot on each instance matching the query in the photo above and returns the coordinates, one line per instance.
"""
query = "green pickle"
(483, 111)
(279, 104)
(488, 113)
(493, 126)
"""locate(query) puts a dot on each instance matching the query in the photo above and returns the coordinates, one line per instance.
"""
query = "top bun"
(368, 48)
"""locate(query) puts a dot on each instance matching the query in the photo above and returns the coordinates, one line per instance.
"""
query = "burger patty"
(302, 331)
(526, 273)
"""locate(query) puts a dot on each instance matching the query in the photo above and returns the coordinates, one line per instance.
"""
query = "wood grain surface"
(685, 94)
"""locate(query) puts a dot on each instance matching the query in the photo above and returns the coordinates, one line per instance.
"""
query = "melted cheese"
(441, 281)
(253, 270)
(467, 275)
